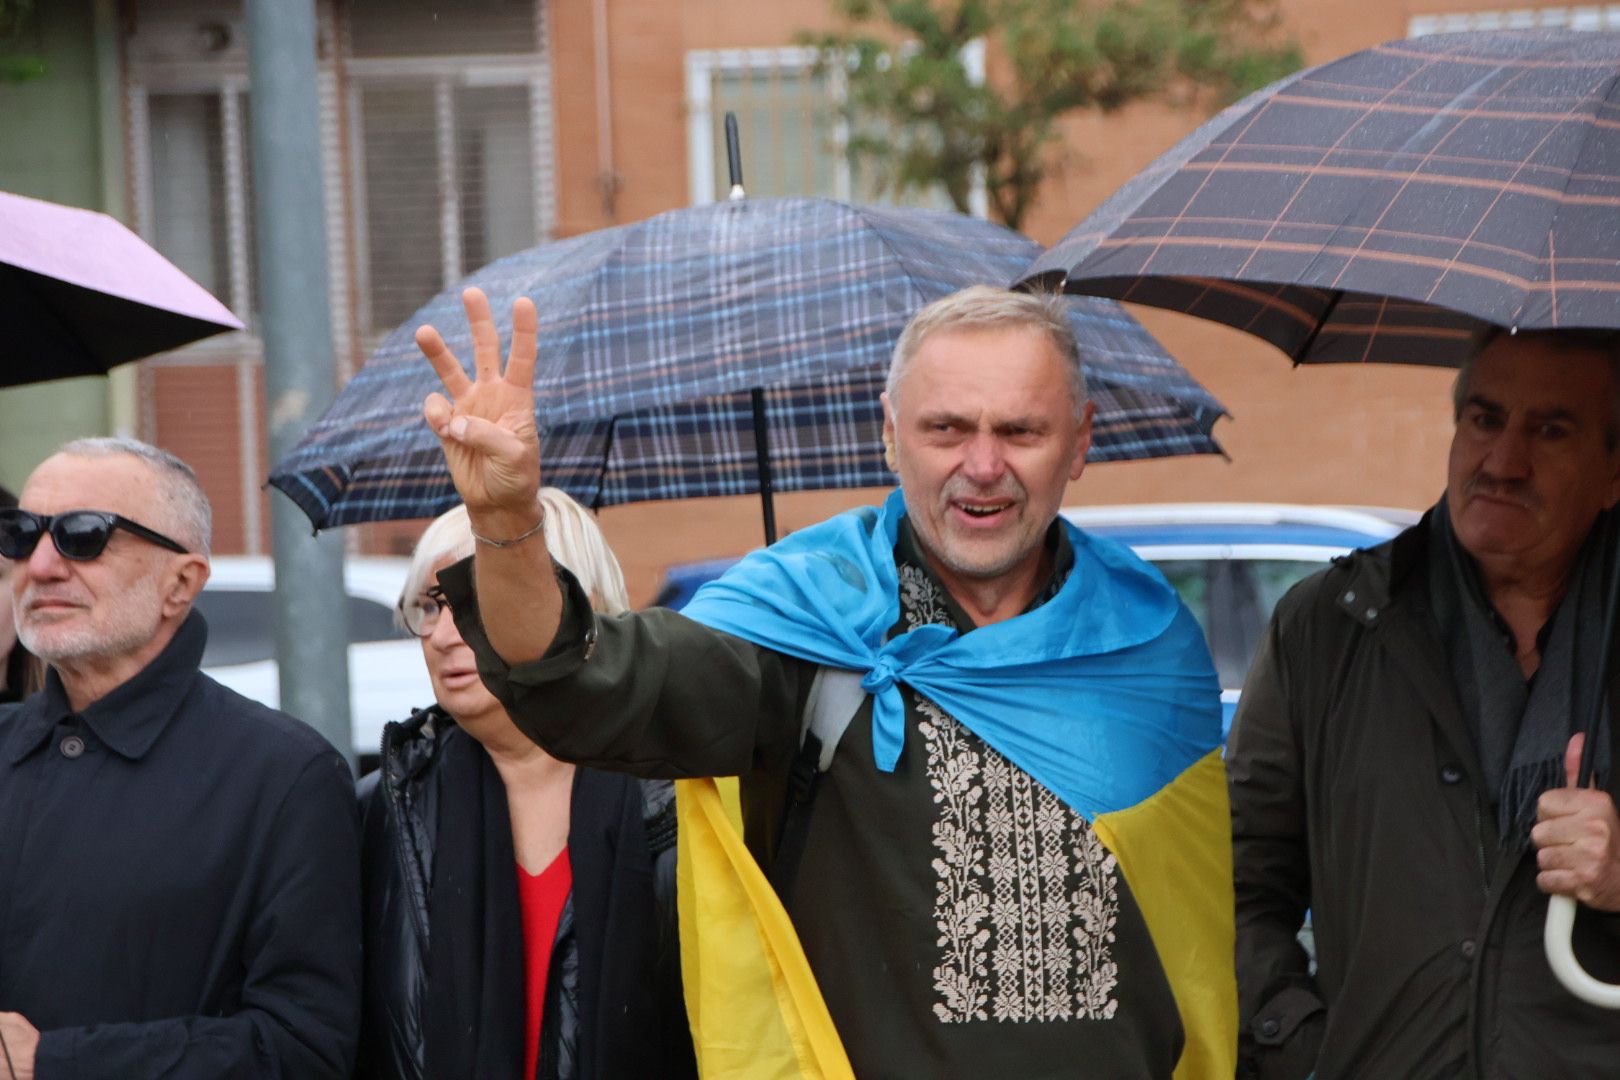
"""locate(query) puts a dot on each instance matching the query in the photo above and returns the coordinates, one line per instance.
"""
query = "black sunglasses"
(79, 535)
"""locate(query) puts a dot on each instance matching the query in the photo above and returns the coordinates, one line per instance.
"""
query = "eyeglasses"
(79, 535)
(421, 616)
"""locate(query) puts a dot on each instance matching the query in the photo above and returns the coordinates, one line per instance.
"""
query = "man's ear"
(186, 579)
(1082, 444)
(889, 458)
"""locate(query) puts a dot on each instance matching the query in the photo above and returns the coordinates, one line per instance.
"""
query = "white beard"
(113, 628)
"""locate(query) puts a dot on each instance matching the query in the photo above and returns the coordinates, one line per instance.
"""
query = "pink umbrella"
(80, 293)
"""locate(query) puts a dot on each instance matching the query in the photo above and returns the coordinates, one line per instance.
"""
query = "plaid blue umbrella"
(653, 336)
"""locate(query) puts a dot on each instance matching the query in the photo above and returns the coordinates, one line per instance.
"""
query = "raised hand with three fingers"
(486, 424)
(492, 446)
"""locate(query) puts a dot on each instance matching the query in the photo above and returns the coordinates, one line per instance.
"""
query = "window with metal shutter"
(445, 102)
(436, 152)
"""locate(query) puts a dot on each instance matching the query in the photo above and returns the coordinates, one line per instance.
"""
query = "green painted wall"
(51, 147)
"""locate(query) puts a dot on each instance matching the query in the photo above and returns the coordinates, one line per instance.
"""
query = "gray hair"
(985, 307)
(1604, 343)
(182, 502)
(572, 535)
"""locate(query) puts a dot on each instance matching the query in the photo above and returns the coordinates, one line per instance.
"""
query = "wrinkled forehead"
(990, 361)
(1538, 375)
(117, 482)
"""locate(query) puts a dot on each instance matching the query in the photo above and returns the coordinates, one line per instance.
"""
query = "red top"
(541, 896)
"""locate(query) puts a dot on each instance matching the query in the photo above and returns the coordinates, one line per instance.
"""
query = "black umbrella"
(1389, 206)
(80, 293)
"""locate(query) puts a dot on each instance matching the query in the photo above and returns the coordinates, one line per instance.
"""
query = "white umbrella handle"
(1559, 942)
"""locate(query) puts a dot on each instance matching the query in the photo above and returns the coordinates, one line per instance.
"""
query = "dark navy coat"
(179, 882)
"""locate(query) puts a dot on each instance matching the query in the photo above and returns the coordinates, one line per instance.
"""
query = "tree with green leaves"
(918, 116)
(15, 68)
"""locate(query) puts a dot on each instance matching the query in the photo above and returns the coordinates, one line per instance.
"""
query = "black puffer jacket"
(400, 803)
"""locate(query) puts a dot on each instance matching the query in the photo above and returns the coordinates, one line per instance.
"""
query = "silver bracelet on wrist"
(518, 539)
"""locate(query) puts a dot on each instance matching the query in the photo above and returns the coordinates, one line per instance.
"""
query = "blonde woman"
(520, 917)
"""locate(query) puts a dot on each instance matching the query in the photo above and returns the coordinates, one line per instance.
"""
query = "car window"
(1273, 577)
(241, 624)
(1232, 600)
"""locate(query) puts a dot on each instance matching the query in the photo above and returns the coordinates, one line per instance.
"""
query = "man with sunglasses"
(179, 891)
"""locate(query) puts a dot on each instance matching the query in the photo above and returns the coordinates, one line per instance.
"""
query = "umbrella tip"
(737, 192)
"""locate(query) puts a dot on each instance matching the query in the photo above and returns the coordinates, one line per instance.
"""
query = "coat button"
(72, 746)
(1269, 1028)
(1468, 948)
(1450, 774)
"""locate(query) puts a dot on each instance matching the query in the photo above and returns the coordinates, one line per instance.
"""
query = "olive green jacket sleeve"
(650, 693)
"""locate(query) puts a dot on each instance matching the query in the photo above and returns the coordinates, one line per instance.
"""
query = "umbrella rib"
(64, 324)
(607, 457)
(1304, 350)
(900, 261)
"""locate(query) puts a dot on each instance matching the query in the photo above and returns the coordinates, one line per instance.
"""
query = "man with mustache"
(1015, 683)
(179, 866)
(1398, 762)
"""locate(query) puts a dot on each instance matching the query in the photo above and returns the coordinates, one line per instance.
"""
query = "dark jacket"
(591, 1026)
(1356, 793)
(179, 882)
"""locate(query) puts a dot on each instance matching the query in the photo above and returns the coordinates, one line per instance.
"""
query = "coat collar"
(1377, 576)
(130, 718)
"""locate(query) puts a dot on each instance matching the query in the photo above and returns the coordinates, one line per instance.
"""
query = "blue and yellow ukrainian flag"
(757, 1013)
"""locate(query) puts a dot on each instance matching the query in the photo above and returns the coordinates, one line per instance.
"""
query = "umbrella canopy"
(80, 294)
(1386, 206)
(654, 335)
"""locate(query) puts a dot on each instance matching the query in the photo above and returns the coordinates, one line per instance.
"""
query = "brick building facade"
(455, 131)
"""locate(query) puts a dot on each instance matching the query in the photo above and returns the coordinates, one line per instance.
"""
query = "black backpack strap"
(658, 822)
(658, 815)
(836, 696)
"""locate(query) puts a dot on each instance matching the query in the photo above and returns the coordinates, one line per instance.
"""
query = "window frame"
(443, 75)
(703, 64)
(1574, 17)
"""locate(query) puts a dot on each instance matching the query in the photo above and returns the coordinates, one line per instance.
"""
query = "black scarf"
(630, 1020)
(1520, 728)
(474, 1022)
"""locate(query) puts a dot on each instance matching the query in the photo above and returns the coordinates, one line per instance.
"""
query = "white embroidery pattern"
(960, 906)
(920, 599)
(1027, 897)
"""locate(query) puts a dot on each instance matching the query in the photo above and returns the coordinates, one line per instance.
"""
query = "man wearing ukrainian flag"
(1014, 859)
